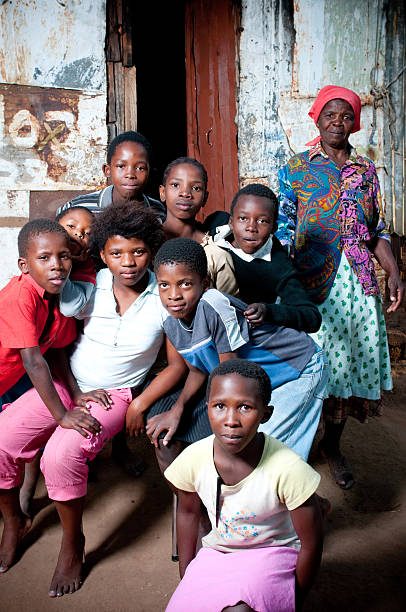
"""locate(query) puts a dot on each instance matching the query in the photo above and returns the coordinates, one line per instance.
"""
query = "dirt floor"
(128, 532)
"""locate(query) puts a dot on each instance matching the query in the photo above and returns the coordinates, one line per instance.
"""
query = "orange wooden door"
(211, 34)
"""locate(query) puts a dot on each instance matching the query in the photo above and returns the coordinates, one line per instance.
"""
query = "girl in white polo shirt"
(122, 335)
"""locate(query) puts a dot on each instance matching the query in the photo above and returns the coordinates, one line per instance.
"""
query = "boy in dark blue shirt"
(266, 277)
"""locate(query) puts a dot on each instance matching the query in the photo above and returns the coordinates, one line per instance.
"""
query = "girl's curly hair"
(128, 220)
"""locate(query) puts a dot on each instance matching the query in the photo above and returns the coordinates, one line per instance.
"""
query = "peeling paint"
(44, 43)
(46, 135)
(8, 245)
(83, 72)
(15, 203)
(266, 51)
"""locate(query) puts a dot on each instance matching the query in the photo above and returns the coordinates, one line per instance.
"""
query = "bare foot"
(15, 529)
(340, 469)
(67, 577)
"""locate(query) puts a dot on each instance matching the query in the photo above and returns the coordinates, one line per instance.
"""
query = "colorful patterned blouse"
(323, 211)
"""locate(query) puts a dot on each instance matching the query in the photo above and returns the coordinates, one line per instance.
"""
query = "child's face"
(180, 290)
(236, 409)
(128, 171)
(184, 192)
(252, 222)
(78, 223)
(128, 260)
(48, 261)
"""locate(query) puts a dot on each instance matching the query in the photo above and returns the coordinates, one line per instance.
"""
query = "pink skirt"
(263, 578)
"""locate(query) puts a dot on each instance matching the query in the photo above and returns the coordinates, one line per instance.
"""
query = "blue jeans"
(297, 406)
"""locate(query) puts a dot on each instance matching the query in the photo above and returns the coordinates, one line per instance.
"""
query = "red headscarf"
(331, 92)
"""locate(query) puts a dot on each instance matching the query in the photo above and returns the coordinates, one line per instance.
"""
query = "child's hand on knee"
(100, 396)
(167, 421)
(81, 421)
(255, 313)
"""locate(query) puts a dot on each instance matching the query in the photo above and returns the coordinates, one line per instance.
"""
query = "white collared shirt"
(115, 351)
(224, 231)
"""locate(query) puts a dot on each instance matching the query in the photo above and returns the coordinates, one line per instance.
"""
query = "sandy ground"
(128, 533)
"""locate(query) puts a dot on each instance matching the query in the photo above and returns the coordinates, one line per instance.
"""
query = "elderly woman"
(331, 217)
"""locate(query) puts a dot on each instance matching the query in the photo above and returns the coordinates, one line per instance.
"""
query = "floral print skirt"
(353, 337)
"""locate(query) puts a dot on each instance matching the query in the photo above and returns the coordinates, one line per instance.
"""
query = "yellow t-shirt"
(254, 512)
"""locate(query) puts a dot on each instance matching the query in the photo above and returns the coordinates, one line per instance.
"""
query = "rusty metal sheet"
(46, 203)
(50, 138)
(50, 43)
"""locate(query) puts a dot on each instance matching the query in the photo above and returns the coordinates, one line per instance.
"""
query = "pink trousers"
(26, 426)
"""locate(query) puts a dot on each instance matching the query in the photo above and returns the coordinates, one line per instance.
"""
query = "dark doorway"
(159, 58)
(171, 75)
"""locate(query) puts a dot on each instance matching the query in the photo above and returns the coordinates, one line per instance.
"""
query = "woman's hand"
(255, 313)
(134, 419)
(81, 421)
(167, 421)
(100, 396)
(384, 255)
(396, 291)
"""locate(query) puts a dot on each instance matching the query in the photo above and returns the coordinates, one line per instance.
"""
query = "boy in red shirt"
(30, 325)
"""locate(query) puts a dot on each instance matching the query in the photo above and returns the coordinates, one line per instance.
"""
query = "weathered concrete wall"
(52, 106)
(394, 91)
(266, 51)
(288, 51)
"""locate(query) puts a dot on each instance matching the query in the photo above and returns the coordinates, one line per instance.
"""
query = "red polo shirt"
(83, 271)
(23, 315)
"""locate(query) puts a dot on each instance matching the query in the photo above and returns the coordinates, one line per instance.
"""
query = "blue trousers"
(297, 406)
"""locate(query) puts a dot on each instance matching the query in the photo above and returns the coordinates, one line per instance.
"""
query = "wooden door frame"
(121, 71)
(212, 33)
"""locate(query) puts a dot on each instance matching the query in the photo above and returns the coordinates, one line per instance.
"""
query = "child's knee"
(62, 451)
(166, 454)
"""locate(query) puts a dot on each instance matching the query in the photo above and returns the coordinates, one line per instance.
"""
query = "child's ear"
(230, 222)
(103, 256)
(267, 414)
(107, 170)
(206, 195)
(22, 264)
(206, 283)
(162, 193)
